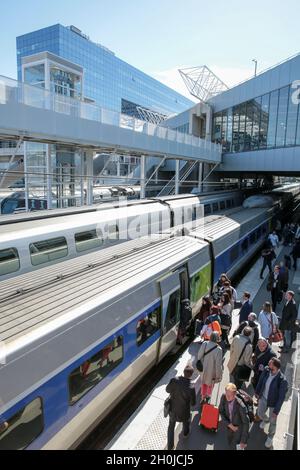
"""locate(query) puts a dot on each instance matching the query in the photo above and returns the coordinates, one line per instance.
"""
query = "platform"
(147, 427)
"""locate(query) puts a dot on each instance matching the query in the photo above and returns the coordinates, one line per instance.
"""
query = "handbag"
(242, 372)
(199, 364)
(277, 336)
(167, 406)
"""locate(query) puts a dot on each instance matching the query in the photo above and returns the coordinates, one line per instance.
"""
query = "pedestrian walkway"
(147, 428)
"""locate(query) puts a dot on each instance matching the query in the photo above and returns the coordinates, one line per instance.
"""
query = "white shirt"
(274, 240)
(268, 383)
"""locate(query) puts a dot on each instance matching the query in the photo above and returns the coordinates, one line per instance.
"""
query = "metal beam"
(143, 185)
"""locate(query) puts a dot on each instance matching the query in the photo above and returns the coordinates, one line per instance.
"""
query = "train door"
(174, 288)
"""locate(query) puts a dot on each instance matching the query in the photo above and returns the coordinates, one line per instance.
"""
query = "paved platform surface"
(147, 427)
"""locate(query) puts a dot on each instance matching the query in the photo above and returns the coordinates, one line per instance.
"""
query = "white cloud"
(229, 75)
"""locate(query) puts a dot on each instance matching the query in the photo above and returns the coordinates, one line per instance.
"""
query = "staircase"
(184, 172)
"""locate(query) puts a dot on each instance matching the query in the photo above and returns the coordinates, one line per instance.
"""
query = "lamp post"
(255, 70)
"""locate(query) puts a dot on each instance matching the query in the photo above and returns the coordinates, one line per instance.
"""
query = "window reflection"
(268, 121)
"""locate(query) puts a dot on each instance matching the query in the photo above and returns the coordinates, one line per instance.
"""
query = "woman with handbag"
(225, 316)
(268, 321)
(209, 364)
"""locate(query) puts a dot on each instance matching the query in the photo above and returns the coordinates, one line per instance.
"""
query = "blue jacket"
(277, 390)
(245, 311)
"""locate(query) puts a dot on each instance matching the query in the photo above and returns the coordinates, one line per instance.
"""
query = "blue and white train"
(31, 241)
(78, 335)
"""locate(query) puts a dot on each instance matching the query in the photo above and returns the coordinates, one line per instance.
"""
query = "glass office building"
(108, 80)
(266, 122)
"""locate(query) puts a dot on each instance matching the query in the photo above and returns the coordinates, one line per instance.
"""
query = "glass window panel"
(22, 428)
(242, 127)
(95, 369)
(257, 111)
(148, 326)
(224, 130)
(229, 129)
(9, 261)
(291, 121)
(264, 121)
(173, 312)
(282, 116)
(272, 119)
(87, 241)
(217, 128)
(248, 124)
(48, 250)
(235, 134)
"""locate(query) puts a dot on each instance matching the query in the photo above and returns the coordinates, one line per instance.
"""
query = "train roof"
(216, 227)
(66, 291)
(46, 226)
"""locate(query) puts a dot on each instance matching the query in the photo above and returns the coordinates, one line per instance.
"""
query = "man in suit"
(234, 414)
(247, 307)
(271, 391)
(288, 321)
(183, 396)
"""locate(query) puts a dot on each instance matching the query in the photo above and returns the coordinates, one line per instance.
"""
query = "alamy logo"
(296, 93)
(2, 353)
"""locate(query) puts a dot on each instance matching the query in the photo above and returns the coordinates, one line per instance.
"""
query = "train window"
(9, 261)
(232, 203)
(264, 229)
(24, 427)
(259, 233)
(207, 209)
(253, 238)
(234, 254)
(194, 213)
(173, 312)
(95, 369)
(148, 326)
(87, 240)
(228, 204)
(222, 205)
(215, 207)
(48, 250)
(113, 232)
(245, 245)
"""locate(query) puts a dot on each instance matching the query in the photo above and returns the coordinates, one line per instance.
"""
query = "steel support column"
(200, 177)
(143, 177)
(177, 176)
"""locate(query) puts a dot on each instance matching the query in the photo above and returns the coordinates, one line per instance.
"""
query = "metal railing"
(22, 93)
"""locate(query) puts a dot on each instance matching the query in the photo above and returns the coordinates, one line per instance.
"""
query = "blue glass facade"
(269, 121)
(107, 79)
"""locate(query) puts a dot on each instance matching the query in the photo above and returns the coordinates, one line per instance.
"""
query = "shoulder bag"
(199, 364)
(242, 372)
(277, 336)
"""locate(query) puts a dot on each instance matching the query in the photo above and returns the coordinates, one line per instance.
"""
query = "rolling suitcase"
(209, 418)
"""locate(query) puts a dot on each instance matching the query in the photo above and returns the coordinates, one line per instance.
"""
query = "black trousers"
(267, 262)
(295, 263)
(275, 297)
(171, 431)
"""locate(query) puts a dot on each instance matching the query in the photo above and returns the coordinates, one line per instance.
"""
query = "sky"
(161, 36)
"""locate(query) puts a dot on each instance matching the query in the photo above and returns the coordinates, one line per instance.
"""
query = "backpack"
(248, 402)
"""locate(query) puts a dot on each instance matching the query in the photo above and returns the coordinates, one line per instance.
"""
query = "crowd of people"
(253, 361)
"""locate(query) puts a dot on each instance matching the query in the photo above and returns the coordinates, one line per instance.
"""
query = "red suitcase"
(210, 417)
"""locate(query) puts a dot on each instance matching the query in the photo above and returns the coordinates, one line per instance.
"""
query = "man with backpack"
(234, 414)
(271, 391)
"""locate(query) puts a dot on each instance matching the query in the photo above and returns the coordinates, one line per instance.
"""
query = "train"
(78, 335)
(34, 240)
(12, 201)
